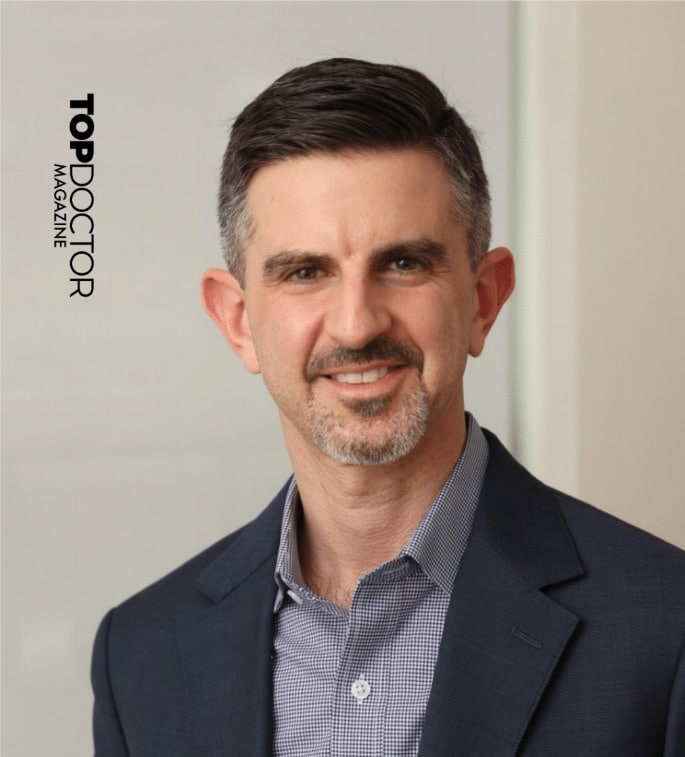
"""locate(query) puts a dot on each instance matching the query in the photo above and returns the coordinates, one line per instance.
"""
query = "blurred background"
(132, 437)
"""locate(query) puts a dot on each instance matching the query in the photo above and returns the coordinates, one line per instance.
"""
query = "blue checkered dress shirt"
(356, 684)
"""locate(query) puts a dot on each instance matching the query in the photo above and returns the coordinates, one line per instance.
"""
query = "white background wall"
(601, 320)
(132, 437)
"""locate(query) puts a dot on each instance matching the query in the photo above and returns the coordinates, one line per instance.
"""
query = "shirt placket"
(362, 690)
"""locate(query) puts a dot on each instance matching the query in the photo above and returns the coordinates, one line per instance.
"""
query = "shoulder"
(142, 645)
(625, 554)
(524, 516)
(180, 591)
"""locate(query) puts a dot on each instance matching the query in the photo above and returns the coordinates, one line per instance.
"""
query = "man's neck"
(355, 518)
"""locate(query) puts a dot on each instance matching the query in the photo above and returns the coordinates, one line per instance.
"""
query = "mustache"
(380, 348)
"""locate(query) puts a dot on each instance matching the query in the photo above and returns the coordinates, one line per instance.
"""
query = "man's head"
(355, 210)
(342, 105)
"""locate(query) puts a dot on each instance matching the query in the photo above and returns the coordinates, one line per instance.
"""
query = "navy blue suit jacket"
(564, 638)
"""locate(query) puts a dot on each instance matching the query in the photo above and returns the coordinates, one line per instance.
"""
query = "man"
(411, 590)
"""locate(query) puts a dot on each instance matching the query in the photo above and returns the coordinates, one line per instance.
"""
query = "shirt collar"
(438, 542)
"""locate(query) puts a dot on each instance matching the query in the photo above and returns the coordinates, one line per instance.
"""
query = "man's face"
(360, 303)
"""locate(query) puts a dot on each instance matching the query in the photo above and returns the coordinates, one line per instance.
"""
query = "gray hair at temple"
(344, 104)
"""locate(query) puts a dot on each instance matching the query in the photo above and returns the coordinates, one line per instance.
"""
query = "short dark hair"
(345, 104)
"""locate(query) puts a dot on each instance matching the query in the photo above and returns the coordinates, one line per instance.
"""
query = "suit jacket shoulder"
(199, 635)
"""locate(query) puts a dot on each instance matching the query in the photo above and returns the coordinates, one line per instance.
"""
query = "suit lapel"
(501, 643)
(503, 637)
(226, 646)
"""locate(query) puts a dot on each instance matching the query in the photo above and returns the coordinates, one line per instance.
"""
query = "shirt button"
(361, 689)
(295, 597)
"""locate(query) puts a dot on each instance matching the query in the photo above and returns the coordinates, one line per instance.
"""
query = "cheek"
(282, 340)
(444, 340)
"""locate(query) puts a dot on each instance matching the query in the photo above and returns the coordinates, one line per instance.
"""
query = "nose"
(357, 312)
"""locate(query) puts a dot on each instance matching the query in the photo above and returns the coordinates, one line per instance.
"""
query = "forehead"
(350, 200)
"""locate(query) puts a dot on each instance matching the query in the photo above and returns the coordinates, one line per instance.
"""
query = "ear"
(224, 301)
(494, 282)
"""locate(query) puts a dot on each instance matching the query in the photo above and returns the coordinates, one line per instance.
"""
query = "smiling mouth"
(371, 364)
(361, 377)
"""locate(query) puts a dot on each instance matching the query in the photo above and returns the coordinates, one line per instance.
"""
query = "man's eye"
(306, 273)
(406, 265)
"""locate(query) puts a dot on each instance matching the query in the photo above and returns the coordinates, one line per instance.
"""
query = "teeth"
(366, 377)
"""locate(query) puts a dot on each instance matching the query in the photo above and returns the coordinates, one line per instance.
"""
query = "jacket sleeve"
(675, 733)
(107, 731)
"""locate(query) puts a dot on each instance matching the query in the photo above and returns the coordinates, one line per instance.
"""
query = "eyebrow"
(292, 259)
(423, 247)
